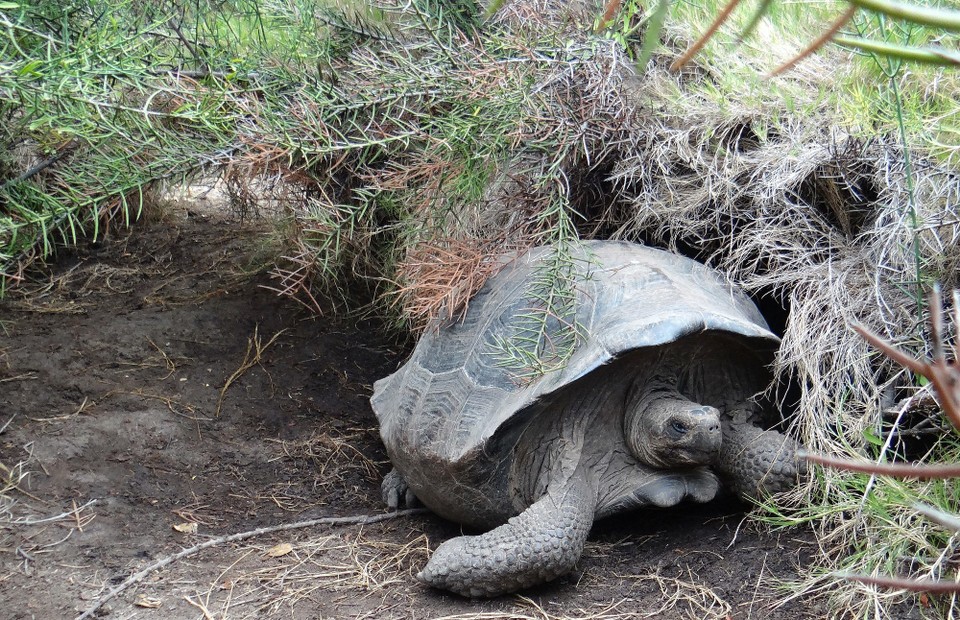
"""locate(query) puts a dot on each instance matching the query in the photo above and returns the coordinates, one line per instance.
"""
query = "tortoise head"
(665, 430)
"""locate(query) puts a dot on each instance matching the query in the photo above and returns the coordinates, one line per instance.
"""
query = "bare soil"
(112, 368)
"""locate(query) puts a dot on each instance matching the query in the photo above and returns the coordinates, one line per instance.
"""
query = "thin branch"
(817, 43)
(944, 376)
(255, 349)
(213, 542)
(934, 586)
(612, 8)
(697, 45)
(75, 513)
(187, 43)
(936, 325)
(7, 423)
(46, 163)
(949, 521)
(897, 470)
(930, 55)
(936, 17)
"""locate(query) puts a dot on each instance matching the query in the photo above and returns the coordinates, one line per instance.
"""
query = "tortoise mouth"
(701, 447)
(705, 453)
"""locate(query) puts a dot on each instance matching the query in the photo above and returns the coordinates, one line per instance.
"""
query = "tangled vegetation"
(411, 145)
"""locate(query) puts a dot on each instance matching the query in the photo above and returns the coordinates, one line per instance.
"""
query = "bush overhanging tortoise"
(655, 399)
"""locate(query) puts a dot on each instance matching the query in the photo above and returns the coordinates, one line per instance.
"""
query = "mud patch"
(112, 372)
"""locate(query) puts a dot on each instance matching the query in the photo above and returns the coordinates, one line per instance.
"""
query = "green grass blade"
(922, 55)
(651, 37)
(928, 16)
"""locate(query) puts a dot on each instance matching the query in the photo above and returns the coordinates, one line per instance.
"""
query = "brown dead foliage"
(439, 277)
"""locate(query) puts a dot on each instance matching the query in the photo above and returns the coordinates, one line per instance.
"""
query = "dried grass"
(331, 454)
(792, 220)
(527, 609)
(64, 293)
(316, 569)
(251, 357)
(11, 477)
(438, 278)
(689, 599)
(824, 223)
(33, 536)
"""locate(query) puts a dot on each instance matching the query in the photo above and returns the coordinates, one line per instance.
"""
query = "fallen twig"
(199, 605)
(213, 542)
(7, 423)
(75, 513)
(21, 377)
(935, 586)
(251, 358)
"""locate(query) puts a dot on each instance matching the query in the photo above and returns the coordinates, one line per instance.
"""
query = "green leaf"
(872, 438)
(30, 69)
(926, 15)
(651, 38)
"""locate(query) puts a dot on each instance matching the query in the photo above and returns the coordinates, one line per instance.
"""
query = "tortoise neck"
(567, 436)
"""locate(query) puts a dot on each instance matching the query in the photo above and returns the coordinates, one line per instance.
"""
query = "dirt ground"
(112, 371)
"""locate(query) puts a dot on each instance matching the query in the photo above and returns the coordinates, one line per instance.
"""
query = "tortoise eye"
(679, 427)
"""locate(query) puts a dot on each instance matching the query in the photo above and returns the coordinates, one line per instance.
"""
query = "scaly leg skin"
(538, 545)
(758, 463)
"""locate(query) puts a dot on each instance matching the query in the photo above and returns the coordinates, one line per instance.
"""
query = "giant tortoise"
(652, 400)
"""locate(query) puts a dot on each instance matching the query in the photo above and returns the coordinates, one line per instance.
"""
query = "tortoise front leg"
(540, 544)
(756, 462)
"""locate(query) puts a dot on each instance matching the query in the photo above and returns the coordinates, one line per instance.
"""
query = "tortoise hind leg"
(540, 544)
(396, 493)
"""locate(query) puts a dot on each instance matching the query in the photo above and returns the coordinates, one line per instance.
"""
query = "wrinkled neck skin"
(643, 412)
(600, 431)
(570, 440)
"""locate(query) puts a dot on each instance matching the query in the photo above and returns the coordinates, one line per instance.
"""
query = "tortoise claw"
(396, 493)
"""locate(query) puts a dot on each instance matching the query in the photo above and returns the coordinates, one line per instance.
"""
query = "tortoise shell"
(461, 385)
